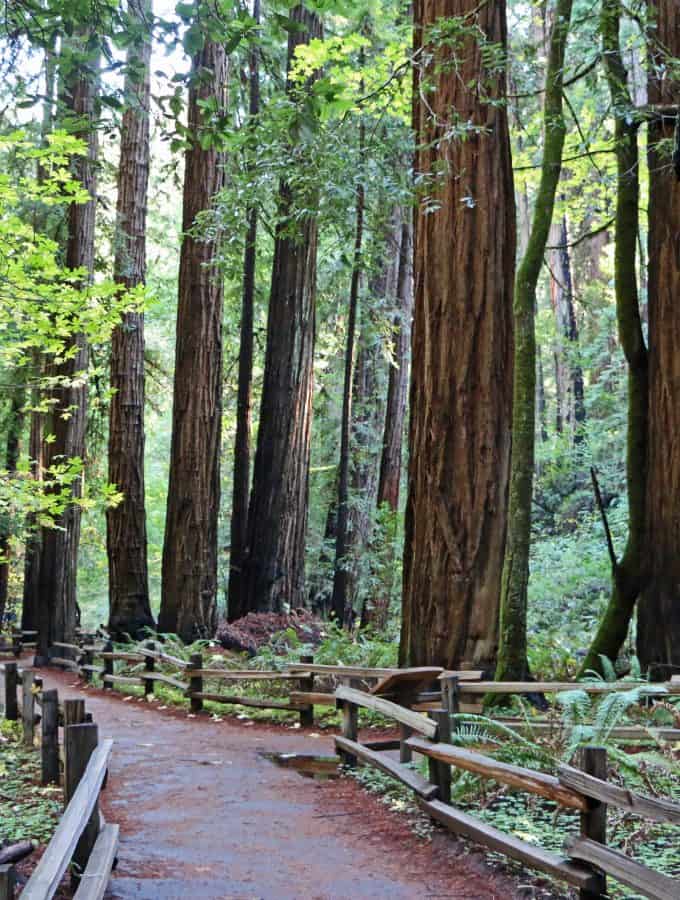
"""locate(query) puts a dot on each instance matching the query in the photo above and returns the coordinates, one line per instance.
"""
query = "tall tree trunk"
(241, 484)
(29, 607)
(628, 573)
(129, 607)
(189, 580)
(274, 567)
(459, 438)
(397, 383)
(341, 606)
(571, 412)
(56, 600)
(512, 652)
(14, 428)
(658, 638)
(376, 610)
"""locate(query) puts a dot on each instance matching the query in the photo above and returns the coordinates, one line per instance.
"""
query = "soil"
(204, 814)
(255, 630)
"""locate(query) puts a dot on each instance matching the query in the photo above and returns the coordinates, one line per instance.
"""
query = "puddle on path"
(307, 764)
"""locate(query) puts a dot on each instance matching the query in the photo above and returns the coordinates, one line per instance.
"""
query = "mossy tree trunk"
(512, 651)
(658, 638)
(627, 574)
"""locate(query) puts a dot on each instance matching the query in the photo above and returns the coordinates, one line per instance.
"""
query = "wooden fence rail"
(81, 840)
(586, 860)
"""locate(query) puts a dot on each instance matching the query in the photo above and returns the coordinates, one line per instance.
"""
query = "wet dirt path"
(204, 815)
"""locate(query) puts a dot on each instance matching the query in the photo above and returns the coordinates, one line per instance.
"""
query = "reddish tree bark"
(658, 638)
(241, 488)
(461, 381)
(57, 611)
(129, 607)
(189, 580)
(273, 570)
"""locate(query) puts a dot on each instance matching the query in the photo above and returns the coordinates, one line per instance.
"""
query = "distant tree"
(14, 428)
(460, 398)
(273, 570)
(129, 607)
(189, 577)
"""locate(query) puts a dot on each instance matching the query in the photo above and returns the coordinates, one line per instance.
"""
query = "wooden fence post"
(28, 707)
(50, 737)
(80, 742)
(8, 882)
(350, 724)
(594, 820)
(108, 665)
(149, 666)
(17, 642)
(442, 770)
(195, 681)
(307, 684)
(86, 659)
(11, 703)
(405, 752)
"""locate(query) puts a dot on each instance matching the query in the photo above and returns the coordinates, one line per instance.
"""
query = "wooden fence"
(82, 840)
(296, 688)
(586, 860)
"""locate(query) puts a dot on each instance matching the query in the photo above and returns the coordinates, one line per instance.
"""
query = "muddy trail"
(205, 814)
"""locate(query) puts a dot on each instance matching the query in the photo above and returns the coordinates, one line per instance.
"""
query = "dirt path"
(204, 815)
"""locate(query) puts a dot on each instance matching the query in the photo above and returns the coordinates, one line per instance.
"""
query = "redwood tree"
(273, 567)
(129, 608)
(57, 612)
(459, 438)
(658, 639)
(189, 577)
(241, 481)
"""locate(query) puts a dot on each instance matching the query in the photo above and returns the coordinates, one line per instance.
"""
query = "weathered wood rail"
(586, 860)
(81, 841)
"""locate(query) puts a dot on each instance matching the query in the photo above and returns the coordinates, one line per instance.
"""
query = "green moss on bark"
(512, 651)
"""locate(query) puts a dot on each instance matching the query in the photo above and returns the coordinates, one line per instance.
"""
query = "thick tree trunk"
(56, 600)
(658, 639)
(628, 573)
(459, 437)
(512, 651)
(29, 605)
(129, 607)
(189, 583)
(241, 483)
(273, 570)
(14, 429)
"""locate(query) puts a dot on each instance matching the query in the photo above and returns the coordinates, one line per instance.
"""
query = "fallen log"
(16, 852)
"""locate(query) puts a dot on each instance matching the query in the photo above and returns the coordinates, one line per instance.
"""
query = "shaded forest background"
(336, 135)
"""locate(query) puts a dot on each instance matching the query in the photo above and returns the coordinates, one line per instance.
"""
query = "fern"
(608, 670)
(576, 707)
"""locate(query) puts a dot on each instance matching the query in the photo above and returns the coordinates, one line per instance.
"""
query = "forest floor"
(204, 813)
